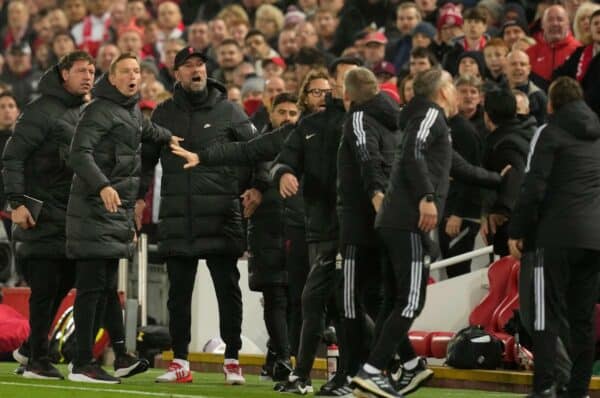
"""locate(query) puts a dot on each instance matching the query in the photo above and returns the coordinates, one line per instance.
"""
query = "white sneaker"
(233, 372)
(177, 372)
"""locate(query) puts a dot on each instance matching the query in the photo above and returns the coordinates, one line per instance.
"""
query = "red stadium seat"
(510, 303)
(439, 343)
(421, 342)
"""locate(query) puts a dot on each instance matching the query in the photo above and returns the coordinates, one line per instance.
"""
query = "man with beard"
(105, 157)
(229, 56)
(200, 210)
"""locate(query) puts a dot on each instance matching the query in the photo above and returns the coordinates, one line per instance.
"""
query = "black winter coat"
(200, 207)
(4, 136)
(266, 227)
(369, 141)
(310, 152)
(106, 151)
(589, 83)
(559, 202)
(422, 166)
(35, 164)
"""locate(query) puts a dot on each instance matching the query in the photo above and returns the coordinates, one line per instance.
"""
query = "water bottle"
(333, 355)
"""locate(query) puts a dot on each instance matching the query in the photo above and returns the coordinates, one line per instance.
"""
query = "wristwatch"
(428, 198)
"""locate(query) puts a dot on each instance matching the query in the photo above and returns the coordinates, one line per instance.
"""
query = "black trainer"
(41, 369)
(337, 382)
(92, 373)
(281, 370)
(408, 381)
(20, 370)
(376, 384)
(295, 385)
(128, 365)
(549, 393)
(266, 373)
(343, 391)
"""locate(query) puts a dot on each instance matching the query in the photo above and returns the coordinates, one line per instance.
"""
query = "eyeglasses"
(318, 92)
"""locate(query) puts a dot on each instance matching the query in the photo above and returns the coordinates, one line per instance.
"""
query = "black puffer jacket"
(200, 207)
(310, 152)
(106, 150)
(35, 165)
(266, 228)
(365, 157)
(4, 136)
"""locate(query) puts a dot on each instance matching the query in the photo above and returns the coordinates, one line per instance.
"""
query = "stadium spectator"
(57, 20)
(17, 29)
(306, 60)
(94, 29)
(197, 36)
(581, 24)
(269, 20)
(62, 44)
(326, 23)
(474, 39)
(75, 10)
(130, 40)
(258, 49)
(137, 11)
(421, 59)
(385, 72)
(19, 73)
(106, 54)
(242, 72)
(169, 22)
(287, 46)
(471, 63)
(252, 92)
(449, 28)
(470, 97)
(374, 48)
(273, 87)
(398, 49)
(512, 31)
(273, 67)
(306, 35)
(494, 53)
(229, 56)
(167, 71)
(238, 29)
(405, 89)
(553, 47)
(517, 73)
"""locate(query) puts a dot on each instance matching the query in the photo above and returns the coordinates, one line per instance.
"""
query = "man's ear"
(64, 74)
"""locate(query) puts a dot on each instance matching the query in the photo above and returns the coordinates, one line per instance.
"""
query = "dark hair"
(62, 33)
(343, 61)
(254, 32)
(500, 105)
(422, 52)
(113, 64)
(9, 94)
(67, 61)
(282, 98)
(475, 13)
(310, 56)
(594, 15)
(563, 91)
(230, 41)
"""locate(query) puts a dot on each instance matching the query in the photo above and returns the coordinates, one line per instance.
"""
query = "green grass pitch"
(204, 386)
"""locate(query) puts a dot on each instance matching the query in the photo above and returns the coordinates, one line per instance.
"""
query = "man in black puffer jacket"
(278, 252)
(200, 211)
(9, 111)
(311, 152)
(365, 159)
(106, 158)
(35, 164)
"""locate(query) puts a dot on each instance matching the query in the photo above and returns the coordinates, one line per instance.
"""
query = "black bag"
(152, 340)
(474, 348)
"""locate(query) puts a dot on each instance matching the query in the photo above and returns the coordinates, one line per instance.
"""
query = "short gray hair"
(429, 82)
(360, 84)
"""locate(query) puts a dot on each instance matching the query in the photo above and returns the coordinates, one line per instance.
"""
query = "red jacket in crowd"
(546, 57)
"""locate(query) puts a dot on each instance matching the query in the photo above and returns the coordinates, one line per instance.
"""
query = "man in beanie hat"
(449, 27)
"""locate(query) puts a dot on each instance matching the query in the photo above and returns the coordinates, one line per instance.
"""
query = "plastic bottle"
(333, 355)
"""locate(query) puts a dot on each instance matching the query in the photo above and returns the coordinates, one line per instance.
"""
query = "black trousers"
(320, 287)
(225, 276)
(566, 282)
(50, 280)
(405, 273)
(297, 264)
(563, 364)
(362, 276)
(464, 245)
(96, 284)
(275, 316)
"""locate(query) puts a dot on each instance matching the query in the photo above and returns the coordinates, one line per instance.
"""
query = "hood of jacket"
(513, 131)
(381, 108)
(104, 89)
(577, 119)
(216, 92)
(51, 84)
(529, 125)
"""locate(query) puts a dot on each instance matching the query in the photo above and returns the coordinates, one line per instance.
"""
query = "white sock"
(184, 364)
(410, 365)
(230, 361)
(371, 369)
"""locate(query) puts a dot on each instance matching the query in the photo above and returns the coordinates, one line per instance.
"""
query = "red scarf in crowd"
(480, 45)
(584, 62)
(89, 45)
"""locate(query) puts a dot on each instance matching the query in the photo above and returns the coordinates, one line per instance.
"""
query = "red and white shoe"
(233, 372)
(177, 372)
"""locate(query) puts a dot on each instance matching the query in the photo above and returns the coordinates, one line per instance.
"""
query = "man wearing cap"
(19, 73)
(512, 31)
(374, 49)
(200, 215)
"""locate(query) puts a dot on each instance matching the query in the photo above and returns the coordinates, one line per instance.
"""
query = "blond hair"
(360, 85)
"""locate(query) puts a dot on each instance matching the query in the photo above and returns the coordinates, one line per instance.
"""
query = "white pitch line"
(108, 390)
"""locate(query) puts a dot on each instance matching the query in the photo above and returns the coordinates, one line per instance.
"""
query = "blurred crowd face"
(306, 35)
(283, 113)
(512, 34)
(495, 59)
(266, 25)
(449, 33)
(241, 71)
(273, 87)
(308, 5)
(198, 37)
(130, 42)
(407, 19)
(229, 56)
(137, 10)
(518, 68)
(555, 24)
(238, 32)
(8, 112)
(118, 13)
(469, 99)
(468, 66)
(474, 29)
(79, 80)
(426, 6)
(18, 15)
(287, 45)
(417, 65)
(62, 45)
(316, 92)
(171, 50)
(291, 81)
(326, 23)
(18, 63)
(169, 16)
(106, 54)
(98, 7)
(408, 92)
(257, 47)
(374, 52)
(595, 29)
(75, 10)
(217, 31)
(234, 95)
(58, 20)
